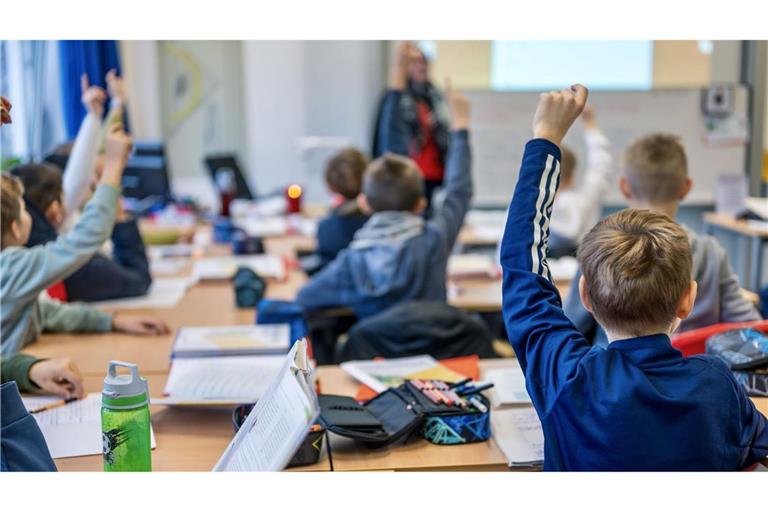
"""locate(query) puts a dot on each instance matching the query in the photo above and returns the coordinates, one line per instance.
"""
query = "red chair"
(692, 342)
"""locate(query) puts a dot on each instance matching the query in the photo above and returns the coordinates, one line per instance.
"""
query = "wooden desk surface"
(732, 224)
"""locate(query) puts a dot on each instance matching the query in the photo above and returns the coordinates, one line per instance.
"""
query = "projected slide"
(535, 65)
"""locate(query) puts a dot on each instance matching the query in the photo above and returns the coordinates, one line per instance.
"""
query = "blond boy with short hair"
(655, 177)
(639, 404)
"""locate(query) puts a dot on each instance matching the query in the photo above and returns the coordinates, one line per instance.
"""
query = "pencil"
(52, 405)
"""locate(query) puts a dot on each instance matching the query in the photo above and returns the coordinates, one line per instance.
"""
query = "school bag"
(745, 352)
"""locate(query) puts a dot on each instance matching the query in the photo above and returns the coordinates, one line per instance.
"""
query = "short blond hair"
(567, 164)
(11, 191)
(656, 168)
(637, 266)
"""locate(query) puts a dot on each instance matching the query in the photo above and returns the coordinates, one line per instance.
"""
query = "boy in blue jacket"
(397, 255)
(639, 404)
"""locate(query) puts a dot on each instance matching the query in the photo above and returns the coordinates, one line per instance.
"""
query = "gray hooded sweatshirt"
(718, 299)
(26, 272)
(397, 256)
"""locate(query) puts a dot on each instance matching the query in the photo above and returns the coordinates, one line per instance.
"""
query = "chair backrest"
(692, 342)
(419, 328)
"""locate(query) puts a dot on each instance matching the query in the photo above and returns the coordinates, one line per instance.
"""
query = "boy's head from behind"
(567, 168)
(392, 183)
(655, 173)
(43, 189)
(344, 172)
(636, 267)
(14, 219)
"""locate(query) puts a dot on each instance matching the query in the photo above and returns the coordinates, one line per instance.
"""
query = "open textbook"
(71, 430)
(279, 421)
(266, 265)
(221, 380)
(232, 340)
(382, 374)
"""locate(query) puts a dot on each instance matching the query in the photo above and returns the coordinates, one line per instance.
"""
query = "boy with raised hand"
(639, 404)
(655, 177)
(26, 272)
(397, 255)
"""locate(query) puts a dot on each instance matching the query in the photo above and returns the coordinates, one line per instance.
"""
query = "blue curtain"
(76, 58)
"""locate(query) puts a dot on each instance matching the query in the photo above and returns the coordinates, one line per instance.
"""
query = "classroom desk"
(484, 295)
(758, 238)
(194, 439)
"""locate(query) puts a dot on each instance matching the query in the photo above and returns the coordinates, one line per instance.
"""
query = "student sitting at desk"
(344, 176)
(397, 255)
(27, 272)
(655, 178)
(53, 202)
(577, 209)
(639, 404)
(126, 274)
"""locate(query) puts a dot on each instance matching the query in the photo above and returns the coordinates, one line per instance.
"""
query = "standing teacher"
(413, 117)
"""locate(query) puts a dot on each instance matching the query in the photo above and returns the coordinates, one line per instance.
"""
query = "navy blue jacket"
(336, 231)
(126, 275)
(637, 405)
(22, 445)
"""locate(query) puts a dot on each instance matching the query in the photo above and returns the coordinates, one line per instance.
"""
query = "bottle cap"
(126, 391)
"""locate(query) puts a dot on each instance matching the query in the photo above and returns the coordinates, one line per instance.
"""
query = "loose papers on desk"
(509, 386)
(266, 265)
(279, 421)
(164, 293)
(71, 430)
(219, 380)
(232, 340)
(519, 436)
(380, 375)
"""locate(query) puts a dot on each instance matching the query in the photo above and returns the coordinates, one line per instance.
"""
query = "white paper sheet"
(266, 265)
(232, 340)
(239, 379)
(278, 422)
(71, 430)
(509, 386)
(164, 293)
(519, 436)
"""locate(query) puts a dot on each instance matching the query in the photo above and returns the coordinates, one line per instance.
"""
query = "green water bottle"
(125, 425)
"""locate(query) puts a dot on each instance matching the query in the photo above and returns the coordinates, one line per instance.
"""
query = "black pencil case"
(400, 412)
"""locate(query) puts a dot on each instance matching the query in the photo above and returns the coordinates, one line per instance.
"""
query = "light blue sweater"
(26, 272)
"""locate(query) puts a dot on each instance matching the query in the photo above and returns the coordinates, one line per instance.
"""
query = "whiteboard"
(501, 125)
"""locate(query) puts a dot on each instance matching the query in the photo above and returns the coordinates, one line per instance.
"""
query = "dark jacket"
(126, 275)
(397, 125)
(637, 405)
(336, 231)
(419, 328)
(22, 445)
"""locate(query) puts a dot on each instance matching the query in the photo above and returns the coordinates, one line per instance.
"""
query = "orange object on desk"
(468, 366)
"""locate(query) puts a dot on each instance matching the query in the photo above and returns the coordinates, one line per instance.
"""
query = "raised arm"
(82, 159)
(448, 215)
(52, 262)
(547, 345)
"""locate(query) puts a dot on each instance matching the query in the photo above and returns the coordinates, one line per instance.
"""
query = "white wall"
(303, 100)
(141, 73)
(201, 104)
